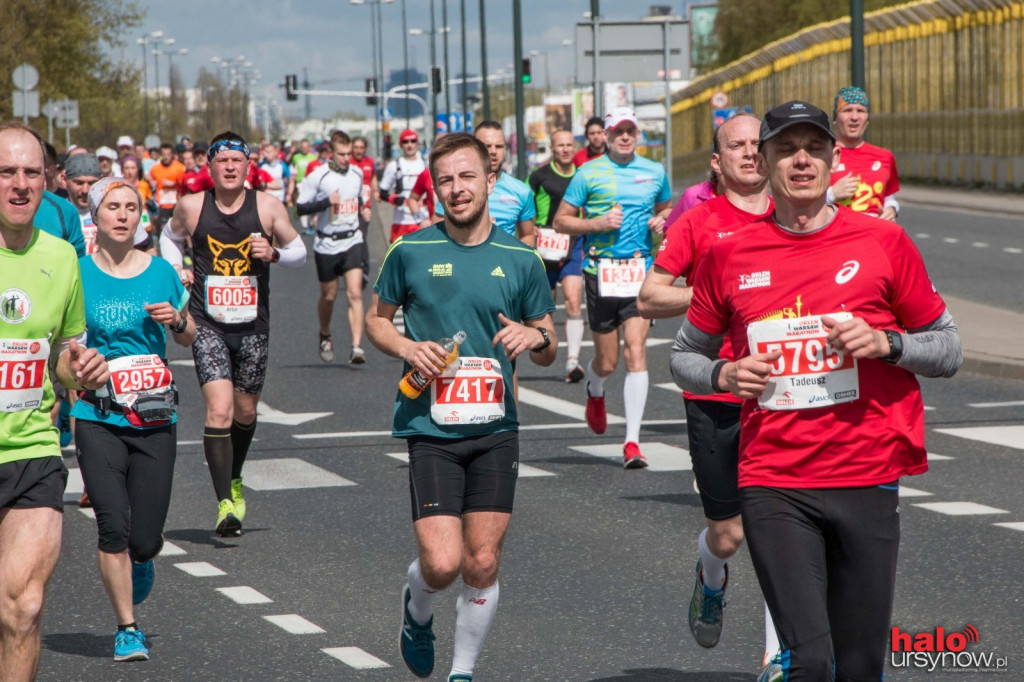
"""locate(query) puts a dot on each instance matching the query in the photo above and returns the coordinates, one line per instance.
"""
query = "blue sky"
(331, 39)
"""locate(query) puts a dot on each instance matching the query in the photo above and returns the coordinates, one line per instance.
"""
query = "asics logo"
(847, 272)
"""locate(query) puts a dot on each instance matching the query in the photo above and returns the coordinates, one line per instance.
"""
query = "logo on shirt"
(754, 280)
(230, 259)
(642, 179)
(496, 272)
(722, 235)
(876, 165)
(840, 168)
(15, 306)
(847, 272)
(508, 200)
(441, 270)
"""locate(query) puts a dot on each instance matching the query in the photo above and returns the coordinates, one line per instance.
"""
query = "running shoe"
(416, 641)
(228, 523)
(706, 608)
(142, 580)
(84, 502)
(597, 417)
(130, 645)
(772, 671)
(237, 499)
(358, 356)
(573, 372)
(326, 348)
(632, 458)
(460, 677)
(64, 423)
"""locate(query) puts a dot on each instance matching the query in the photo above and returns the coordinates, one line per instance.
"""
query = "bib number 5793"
(802, 356)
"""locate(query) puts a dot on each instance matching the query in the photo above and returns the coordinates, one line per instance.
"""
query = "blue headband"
(850, 94)
(227, 145)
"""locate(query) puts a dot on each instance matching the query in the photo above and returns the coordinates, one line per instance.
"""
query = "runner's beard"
(466, 223)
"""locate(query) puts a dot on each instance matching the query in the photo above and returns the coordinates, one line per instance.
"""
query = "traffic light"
(291, 84)
(526, 70)
(371, 86)
(386, 145)
(435, 79)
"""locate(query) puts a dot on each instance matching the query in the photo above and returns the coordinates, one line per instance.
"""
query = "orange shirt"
(167, 193)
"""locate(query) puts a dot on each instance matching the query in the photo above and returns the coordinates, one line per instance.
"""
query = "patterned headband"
(99, 191)
(227, 145)
(850, 94)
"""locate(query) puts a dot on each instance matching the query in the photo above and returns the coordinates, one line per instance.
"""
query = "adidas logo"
(496, 272)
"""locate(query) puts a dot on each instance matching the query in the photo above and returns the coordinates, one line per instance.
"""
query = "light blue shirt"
(509, 203)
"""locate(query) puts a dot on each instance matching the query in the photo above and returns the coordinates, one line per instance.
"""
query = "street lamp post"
(483, 63)
(447, 96)
(547, 80)
(465, 110)
(429, 127)
(378, 57)
(405, 55)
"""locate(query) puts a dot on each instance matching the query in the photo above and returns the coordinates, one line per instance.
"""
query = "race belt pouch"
(152, 409)
(142, 387)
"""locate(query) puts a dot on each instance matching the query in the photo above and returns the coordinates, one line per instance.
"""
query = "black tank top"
(221, 247)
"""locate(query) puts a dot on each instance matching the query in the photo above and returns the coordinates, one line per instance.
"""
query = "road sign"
(26, 103)
(720, 100)
(632, 50)
(720, 116)
(25, 77)
(67, 117)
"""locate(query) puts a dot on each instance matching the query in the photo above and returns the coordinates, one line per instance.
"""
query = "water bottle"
(414, 383)
(103, 399)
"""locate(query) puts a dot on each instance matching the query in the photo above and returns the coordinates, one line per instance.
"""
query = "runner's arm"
(657, 221)
(693, 359)
(567, 220)
(528, 233)
(79, 367)
(426, 356)
(659, 298)
(291, 249)
(547, 356)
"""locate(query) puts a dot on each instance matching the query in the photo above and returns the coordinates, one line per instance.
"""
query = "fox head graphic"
(230, 260)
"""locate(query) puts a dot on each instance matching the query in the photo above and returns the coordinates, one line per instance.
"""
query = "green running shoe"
(236, 497)
(228, 523)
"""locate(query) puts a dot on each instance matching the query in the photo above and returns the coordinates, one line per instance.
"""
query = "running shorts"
(606, 313)
(713, 435)
(33, 483)
(240, 359)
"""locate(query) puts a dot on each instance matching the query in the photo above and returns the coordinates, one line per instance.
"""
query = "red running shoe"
(597, 417)
(632, 457)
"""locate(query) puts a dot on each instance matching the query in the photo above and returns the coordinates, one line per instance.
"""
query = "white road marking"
(75, 486)
(960, 508)
(951, 240)
(922, 235)
(1008, 403)
(1012, 249)
(88, 511)
(1014, 525)
(171, 549)
(337, 434)
(669, 386)
(192, 442)
(525, 470)
(244, 595)
(268, 415)
(590, 344)
(289, 473)
(933, 457)
(1007, 436)
(184, 363)
(294, 624)
(912, 492)
(660, 457)
(561, 407)
(980, 245)
(355, 657)
(200, 569)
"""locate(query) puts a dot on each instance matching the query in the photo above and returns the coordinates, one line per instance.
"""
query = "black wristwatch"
(544, 344)
(182, 326)
(895, 346)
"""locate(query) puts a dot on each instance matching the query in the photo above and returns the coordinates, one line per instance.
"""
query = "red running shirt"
(424, 188)
(865, 266)
(686, 241)
(875, 169)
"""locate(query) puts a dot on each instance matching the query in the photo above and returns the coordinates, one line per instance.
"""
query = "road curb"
(1001, 368)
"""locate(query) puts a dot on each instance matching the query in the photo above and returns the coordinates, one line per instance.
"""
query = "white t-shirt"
(319, 185)
(279, 171)
(409, 170)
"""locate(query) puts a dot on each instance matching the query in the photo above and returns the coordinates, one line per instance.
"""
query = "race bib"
(364, 191)
(810, 373)
(22, 373)
(136, 375)
(342, 214)
(552, 246)
(471, 391)
(620, 277)
(167, 197)
(89, 234)
(231, 300)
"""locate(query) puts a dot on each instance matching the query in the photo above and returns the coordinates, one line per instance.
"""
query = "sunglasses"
(409, 141)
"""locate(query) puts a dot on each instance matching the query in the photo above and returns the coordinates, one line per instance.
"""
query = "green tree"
(744, 26)
(70, 43)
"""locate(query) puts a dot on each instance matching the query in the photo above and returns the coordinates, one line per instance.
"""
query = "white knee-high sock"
(771, 637)
(574, 335)
(421, 595)
(596, 383)
(474, 613)
(714, 568)
(634, 391)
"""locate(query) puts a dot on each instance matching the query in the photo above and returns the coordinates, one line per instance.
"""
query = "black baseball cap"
(790, 114)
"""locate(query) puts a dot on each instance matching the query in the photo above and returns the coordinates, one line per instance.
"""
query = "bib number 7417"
(472, 393)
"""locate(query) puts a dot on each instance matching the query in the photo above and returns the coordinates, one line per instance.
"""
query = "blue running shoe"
(64, 423)
(706, 607)
(416, 641)
(130, 645)
(772, 671)
(142, 580)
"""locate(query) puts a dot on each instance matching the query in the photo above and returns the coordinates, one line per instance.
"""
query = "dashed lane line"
(1013, 525)
(244, 595)
(200, 569)
(294, 624)
(960, 508)
(289, 473)
(354, 657)
(1007, 403)
(1006, 436)
(912, 492)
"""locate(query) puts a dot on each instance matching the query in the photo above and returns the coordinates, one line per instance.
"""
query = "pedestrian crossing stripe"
(496, 272)
(294, 624)
(660, 456)
(525, 470)
(912, 492)
(960, 508)
(1013, 525)
(1006, 436)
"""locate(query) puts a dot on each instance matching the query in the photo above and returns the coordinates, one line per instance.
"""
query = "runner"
(562, 254)
(42, 323)
(334, 191)
(831, 313)
(597, 142)
(369, 168)
(399, 176)
(168, 176)
(281, 183)
(866, 178)
(460, 275)
(712, 422)
(82, 171)
(625, 197)
(235, 234)
(299, 160)
(127, 440)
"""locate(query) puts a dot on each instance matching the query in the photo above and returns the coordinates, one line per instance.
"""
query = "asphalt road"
(599, 561)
